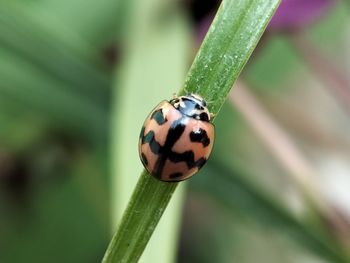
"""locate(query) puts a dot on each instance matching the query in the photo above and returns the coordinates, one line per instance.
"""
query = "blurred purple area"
(202, 28)
(294, 14)
(290, 15)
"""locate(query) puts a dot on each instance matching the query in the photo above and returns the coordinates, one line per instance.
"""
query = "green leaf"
(231, 40)
(34, 91)
(227, 47)
(49, 70)
(58, 53)
(132, 234)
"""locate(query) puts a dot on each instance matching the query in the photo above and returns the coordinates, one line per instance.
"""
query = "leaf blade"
(158, 193)
(214, 74)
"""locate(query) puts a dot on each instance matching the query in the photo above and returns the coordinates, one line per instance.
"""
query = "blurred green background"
(78, 77)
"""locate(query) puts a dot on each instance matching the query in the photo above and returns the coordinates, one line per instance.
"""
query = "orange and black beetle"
(177, 138)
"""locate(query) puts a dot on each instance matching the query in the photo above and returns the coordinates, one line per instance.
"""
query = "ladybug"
(177, 138)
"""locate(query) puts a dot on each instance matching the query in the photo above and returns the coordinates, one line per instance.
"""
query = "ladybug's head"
(193, 106)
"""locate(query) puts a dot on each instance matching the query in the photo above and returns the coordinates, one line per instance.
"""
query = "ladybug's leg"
(186, 91)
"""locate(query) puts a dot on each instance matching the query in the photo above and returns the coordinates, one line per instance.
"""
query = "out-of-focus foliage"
(61, 65)
(158, 40)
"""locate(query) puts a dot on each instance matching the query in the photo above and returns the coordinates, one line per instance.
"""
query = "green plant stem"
(227, 47)
(167, 45)
(140, 219)
(229, 43)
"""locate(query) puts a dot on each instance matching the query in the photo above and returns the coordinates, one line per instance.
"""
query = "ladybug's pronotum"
(177, 138)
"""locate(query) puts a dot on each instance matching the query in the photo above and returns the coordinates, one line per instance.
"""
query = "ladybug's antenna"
(186, 91)
(209, 101)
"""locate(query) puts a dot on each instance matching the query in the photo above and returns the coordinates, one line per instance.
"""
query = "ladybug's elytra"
(176, 138)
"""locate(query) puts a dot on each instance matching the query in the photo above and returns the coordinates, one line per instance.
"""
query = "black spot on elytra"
(142, 132)
(188, 158)
(175, 175)
(201, 162)
(153, 144)
(144, 159)
(200, 136)
(158, 116)
(165, 153)
(174, 133)
(203, 117)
